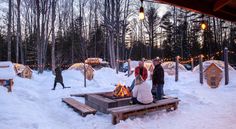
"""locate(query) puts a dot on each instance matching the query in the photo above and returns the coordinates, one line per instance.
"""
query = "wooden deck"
(122, 113)
(79, 107)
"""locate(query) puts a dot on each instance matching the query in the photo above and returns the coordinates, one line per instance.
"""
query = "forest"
(44, 33)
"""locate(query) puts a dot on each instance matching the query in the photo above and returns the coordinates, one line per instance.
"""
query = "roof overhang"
(224, 9)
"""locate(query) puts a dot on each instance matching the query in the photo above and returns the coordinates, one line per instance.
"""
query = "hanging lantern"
(203, 25)
(141, 11)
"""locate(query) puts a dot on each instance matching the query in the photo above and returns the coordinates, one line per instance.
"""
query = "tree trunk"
(9, 32)
(53, 35)
(38, 36)
(18, 38)
(73, 32)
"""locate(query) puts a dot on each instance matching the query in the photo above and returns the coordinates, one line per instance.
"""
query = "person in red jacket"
(139, 70)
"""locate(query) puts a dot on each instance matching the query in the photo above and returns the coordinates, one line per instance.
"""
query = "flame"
(121, 91)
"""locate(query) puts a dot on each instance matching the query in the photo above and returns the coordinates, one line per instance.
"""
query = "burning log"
(121, 91)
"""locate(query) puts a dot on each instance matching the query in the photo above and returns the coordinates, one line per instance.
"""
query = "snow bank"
(33, 105)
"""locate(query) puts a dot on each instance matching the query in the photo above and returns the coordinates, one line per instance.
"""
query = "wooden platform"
(79, 107)
(122, 113)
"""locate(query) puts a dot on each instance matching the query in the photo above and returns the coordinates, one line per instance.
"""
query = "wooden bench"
(79, 107)
(10, 85)
(122, 113)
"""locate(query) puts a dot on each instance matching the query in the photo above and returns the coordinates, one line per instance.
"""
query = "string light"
(183, 61)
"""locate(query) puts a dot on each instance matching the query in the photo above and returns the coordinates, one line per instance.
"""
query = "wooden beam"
(220, 3)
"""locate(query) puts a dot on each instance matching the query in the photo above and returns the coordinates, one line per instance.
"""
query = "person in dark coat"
(58, 78)
(158, 79)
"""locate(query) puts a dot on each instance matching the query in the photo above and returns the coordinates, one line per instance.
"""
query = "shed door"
(213, 81)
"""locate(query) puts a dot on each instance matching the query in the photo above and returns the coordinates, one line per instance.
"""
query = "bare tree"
(39, 61)
(53, 34)
(9, 30)
(18, 35)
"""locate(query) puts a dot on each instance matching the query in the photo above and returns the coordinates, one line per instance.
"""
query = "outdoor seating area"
(119, 107)
(117, 64)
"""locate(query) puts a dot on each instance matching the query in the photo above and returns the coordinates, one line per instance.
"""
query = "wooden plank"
(116, 117)
(82, 108)
(4, 66)
(169, 97)
(85, 94)
(158, 103)
(140, 107)
(79, 106)
(98, 98)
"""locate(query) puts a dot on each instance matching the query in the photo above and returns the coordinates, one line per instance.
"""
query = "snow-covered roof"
(80, 66)
(218, 63)
(20, 67)
(6, 70)
(170, 65)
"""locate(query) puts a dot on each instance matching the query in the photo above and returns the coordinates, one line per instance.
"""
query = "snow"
(33, 105)
(218, 63)
(6, 70)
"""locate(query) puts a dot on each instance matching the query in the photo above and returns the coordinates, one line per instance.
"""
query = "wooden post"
(226, 61)
(201, 69)
(177, 69)
(192, 64)
(10, 85)
(85, 74)
(129, 67)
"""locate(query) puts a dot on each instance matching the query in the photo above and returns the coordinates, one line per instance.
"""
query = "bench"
(122, 113)
(81, 108)
(10, 84)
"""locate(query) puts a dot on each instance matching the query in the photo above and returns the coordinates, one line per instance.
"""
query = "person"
(158, 79)
(58, 78)
(140, 70)
(141, 93)
(151, 68)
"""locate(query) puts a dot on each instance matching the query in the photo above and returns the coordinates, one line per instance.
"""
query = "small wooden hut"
(26, 73)
(213, 75)
(80, 67)
(23, 71)
(96, 63)
(169, 67)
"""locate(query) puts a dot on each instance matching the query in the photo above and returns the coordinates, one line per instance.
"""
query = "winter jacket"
(158, 75)
(143, 93)
(143, 70)
(58, 75)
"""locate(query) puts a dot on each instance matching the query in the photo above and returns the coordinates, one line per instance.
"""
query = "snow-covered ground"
(33, 105)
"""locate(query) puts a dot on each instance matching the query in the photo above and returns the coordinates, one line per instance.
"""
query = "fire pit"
(121, 96)
(121, 91)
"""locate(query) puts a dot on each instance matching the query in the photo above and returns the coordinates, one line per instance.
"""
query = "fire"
(121, 91)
